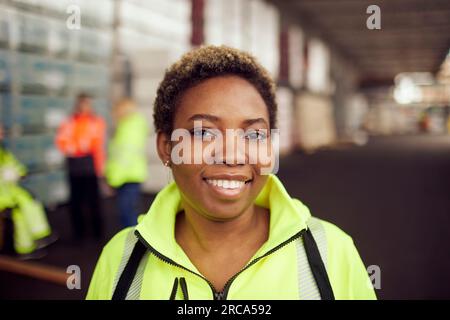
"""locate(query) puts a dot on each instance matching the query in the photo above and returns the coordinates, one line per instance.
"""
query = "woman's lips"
(227, 188)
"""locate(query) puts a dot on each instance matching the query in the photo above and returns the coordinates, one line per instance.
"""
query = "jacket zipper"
(219, 295)
(171, 262)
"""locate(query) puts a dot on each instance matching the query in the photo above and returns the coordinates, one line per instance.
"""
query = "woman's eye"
(256, 135)
(202, 133)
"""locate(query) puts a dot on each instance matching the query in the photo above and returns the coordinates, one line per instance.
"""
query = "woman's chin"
(220, 212)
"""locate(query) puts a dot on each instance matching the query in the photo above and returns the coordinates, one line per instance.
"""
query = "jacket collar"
(288, 216)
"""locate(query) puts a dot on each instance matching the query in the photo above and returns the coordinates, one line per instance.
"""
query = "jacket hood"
(288, 216)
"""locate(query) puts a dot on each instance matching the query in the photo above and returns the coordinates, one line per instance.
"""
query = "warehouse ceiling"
(414, 35)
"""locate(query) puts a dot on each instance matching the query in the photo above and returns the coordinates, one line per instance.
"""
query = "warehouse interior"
(363, 92)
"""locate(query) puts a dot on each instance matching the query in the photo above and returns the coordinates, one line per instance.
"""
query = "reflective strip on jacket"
(279, 275)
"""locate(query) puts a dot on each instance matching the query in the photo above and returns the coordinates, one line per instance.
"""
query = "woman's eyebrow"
(249, 122)
(203, 116)
(210, 117)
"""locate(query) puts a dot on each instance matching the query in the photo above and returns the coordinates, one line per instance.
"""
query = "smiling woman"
(224, 229)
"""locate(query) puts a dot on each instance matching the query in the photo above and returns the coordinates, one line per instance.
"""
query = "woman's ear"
(163, 145)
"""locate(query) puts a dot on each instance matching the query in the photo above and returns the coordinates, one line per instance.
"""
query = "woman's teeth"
(226, 184)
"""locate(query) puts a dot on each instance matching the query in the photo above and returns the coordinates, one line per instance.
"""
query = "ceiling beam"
(375, 81)
(378, 37)
(343, 7)
(351, 26)
(398, 51)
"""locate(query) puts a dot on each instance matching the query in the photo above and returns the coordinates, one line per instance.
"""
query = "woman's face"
(225, 189)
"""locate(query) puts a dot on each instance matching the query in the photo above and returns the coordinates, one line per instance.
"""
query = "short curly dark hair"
(204, 63)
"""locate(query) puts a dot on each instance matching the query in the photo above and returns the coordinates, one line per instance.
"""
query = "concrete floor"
(392, 196)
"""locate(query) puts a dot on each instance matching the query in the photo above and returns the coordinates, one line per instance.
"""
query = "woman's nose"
(233, 151)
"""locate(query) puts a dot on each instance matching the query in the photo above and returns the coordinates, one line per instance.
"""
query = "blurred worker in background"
(126, 167)
(24, 228)
(424, 121)
(81, 139)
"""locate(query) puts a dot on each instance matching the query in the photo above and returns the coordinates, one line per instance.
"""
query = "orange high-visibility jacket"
(83, 135)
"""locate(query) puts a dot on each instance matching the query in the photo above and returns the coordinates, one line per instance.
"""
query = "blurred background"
(364, 117)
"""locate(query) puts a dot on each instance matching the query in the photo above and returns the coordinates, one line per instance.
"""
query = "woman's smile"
(227, 186)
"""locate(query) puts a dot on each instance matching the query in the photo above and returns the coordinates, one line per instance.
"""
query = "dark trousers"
(128, 198)
(84, 198)
(6, 232)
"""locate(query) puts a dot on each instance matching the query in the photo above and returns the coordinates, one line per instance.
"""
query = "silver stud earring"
(168, 171)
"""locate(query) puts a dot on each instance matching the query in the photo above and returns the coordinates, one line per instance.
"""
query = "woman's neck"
(194, 229)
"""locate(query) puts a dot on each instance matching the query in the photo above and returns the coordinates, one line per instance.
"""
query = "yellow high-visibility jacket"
(30, 220)
(278, 272)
